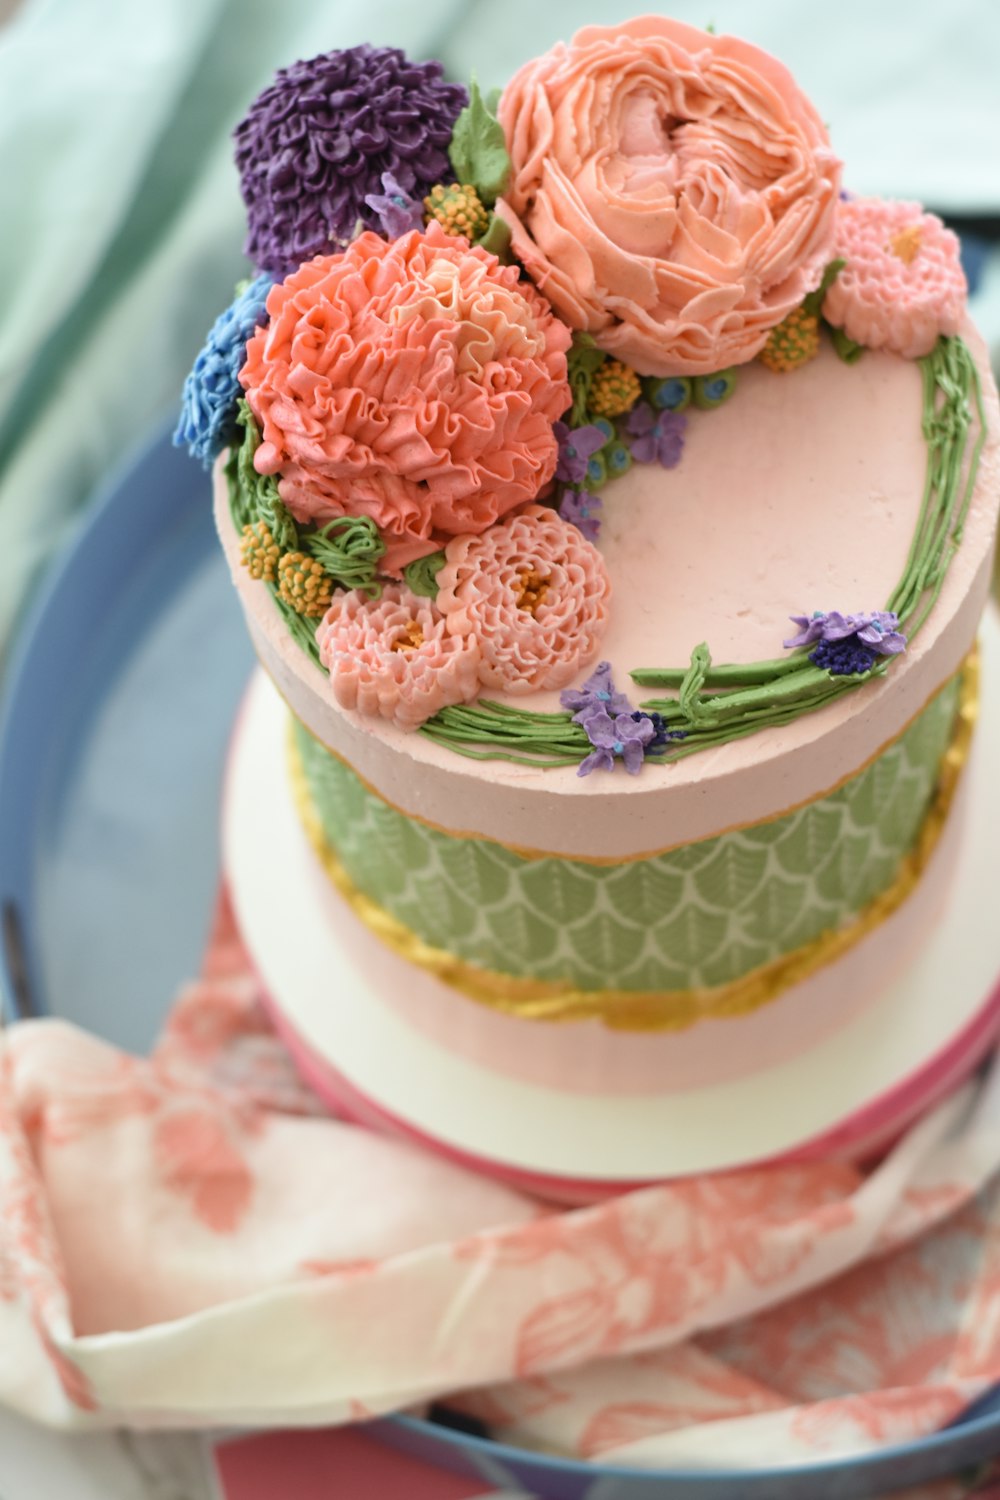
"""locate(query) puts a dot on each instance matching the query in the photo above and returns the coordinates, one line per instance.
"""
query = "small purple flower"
(582, 509)
(848, 645)
(577, 445)
(397, 212)
(878, 629)
(597, 693)
(613, 726)
(626, 736)
(657, 436)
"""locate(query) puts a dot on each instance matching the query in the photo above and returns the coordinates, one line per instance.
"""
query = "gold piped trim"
(527, 853)
(655, 1010)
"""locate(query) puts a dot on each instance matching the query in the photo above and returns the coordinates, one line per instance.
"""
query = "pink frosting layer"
(800, 493)
(589, 1058)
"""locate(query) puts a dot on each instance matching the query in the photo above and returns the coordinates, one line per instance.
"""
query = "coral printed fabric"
(165, 1221)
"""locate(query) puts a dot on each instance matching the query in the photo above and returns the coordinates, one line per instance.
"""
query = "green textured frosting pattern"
(701, 915)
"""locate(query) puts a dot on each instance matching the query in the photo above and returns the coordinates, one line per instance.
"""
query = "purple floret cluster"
(616, 730)
(848, 645)
(322, 139)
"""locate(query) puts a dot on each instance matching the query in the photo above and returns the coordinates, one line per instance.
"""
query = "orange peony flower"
(903, 282)
(393, 657)
(415, 382)
(672, 192)
(533, 592)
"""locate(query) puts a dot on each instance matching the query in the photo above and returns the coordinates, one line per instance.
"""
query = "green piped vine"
(715, 704)
(348, 549)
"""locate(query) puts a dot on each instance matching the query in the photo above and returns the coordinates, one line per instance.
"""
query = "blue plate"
(112, 739)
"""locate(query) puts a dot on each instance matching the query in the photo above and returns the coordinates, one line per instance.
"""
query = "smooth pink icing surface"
(800, 493)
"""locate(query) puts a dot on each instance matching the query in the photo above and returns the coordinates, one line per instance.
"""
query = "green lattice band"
(699, 916)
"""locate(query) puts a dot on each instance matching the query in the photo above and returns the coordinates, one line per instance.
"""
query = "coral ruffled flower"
(903, 282)
(672, 192)
(394, 658)
(415, 382)
(534, 593)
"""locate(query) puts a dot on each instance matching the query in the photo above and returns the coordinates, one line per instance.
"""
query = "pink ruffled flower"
(415, 382)
(534, 593)
(395, 657)
(672, 192)
(903, 283)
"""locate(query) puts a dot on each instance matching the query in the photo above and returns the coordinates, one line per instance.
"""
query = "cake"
(611, 497)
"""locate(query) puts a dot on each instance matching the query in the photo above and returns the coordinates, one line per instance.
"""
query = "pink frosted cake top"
(545, 413)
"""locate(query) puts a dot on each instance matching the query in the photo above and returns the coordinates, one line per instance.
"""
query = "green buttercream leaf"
(847, 349)
(276, 517)
(582, 363)
(497, 239)
(420, 577)
(349, 549)
(478, 150)
(814, 302)
(257, 498)
(689, 697)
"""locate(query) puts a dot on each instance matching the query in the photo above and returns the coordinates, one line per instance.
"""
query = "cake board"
(102, 924)
(848, 1096)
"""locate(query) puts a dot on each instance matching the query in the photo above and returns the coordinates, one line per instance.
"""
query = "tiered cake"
(525, 474)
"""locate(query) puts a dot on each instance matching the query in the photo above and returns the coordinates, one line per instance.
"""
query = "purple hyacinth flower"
(624, 737)
(878, 630)
(315, 145)
(597, 694)
(397, 212)
(881, 632)
(583, 510)
(577, 445)
(657, 436)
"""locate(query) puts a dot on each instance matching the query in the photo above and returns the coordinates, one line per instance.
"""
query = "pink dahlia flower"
(415, 382)
(903, 283)
(672, 192)
(394, 657)
(533, 592)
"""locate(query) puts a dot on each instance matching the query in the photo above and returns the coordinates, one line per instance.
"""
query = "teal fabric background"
(122, 225)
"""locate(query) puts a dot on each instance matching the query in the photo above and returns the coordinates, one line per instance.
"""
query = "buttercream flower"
(394, 657)
(584, 510)
(211, 391)
(534, 593)
(902, 283)
(876, 628)
(396, 211)
(415, 382)
(846, 645)
(320, 139)
(577, 445)
(625, 736)
(597, 694)
(672, 192)
(657, 436)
